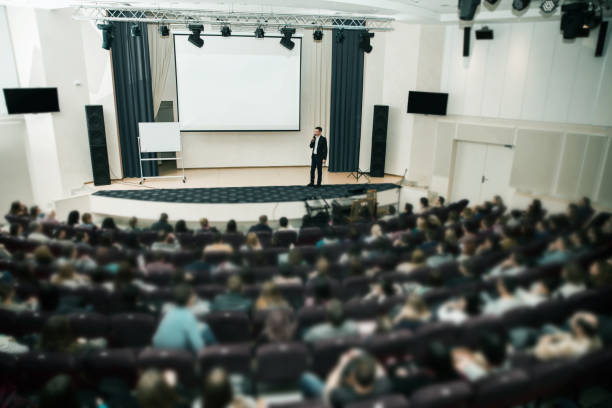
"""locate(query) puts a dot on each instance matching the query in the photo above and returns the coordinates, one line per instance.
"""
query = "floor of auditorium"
(238, 177)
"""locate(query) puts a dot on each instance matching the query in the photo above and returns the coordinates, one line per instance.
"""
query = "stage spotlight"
(135, 30)
(340, 35)
(467, 9)
(194, 37)
(164, 31)
(364, 41)
(286, 40)
(317, 35)
(549, 6)
(259, 32)
(226, 31)
(107, 35)
(520, 5)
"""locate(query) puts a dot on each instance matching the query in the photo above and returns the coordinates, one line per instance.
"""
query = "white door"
(469, 167)
(481, 171)
(498, 166)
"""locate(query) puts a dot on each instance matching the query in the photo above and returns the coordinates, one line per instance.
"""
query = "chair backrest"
(112, 363)
(396, 343)
(455, 394)
(234, 358)
(131, 330)
(309, 236)
(229, 326)
(36, 368)
(386, 401)
(506, 388)
(281, 363)
(285, 238)
(89, 325)
(325, 353)
(180, 361)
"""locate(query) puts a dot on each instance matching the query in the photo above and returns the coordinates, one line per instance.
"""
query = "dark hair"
(73, 217)
(181, 226)
(163, 217)
(59, 391)
(182, 294)
(438, 359)
(334, 312)
(283, 222)
(408, 208)
(493, 347)
(319, 128)
(322, 290)
(56, 335)
(441, 200)
(14, 229)
(109, 223)
(15, 208)
(217, 389)
(574, 273)
(424, 202)
(392, 210)
(231, 226)
(263, 219)
(364, 370)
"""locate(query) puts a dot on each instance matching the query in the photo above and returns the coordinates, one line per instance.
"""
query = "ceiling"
(406, 10)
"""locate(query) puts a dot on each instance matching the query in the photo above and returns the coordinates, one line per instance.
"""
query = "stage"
(242, 194)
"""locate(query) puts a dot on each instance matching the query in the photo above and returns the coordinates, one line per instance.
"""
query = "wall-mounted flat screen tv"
(427, 103)
(31, 100)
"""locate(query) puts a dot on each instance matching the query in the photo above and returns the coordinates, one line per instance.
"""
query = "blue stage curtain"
(345, 106)
(133, 94)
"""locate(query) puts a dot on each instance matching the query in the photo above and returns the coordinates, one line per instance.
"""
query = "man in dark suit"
(318, 146)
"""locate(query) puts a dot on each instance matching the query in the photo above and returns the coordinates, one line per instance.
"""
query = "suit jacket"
(321, 148)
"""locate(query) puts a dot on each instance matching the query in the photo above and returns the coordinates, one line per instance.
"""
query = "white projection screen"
(238, 83)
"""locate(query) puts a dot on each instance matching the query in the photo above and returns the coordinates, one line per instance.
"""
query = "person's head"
(392, 210)
(34, 212)
(16, 208)
(56, 335)
(416, 305)
(334, 312)
(163, 217)
(109, 223)
(440, 201)
(280, 325)
(424, 201)
(600, 274)
(295, 257)
(204, 223)
(584, 324)
(493, 347)
(417, 257)
(322, 265)
(156, 389)
(283, 222)
(73, 217)
(408, 209)
(86, 218)
(183, 295)
(318, 130)
(59, 391)
(16, 230)
(270, 291)
(439, 360)
(573, 273)
(252, 241)
(231, 226)
(43, 255)
(376, 231)
(133, 222)
(322, 290)
(217, 389)
(181, 226)
(234, 284)
(421, 223)
(66, 271)
(364, 371)
(263, 219)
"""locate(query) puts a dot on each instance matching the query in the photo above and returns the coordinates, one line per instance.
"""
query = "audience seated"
(336, 324)
(233, 298)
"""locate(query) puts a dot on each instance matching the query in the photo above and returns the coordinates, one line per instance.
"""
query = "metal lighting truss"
(118, 12)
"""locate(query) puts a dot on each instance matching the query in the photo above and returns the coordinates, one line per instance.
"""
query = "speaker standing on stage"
(318, 146)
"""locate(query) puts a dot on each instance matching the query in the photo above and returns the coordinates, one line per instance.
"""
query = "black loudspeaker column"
(379, 140)
(601, 39)
(97, 144)
(466, 41)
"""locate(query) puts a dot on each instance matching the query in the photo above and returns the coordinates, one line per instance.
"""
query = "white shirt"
(314, 151)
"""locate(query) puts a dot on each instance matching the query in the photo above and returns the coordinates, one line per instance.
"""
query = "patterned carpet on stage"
(263, 194)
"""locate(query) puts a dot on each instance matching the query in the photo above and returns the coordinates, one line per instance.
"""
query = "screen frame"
(430, 93)
(178, 112)
(31, 89)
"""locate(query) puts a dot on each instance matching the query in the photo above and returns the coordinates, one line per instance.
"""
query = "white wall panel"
(535, 160)
(529, 73)
(605, 186)
(538, 70)
(573, 154)
(495, 71)
(516, 70)
(593, 160)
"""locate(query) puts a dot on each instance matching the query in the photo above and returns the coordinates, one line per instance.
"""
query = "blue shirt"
(178, 330)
